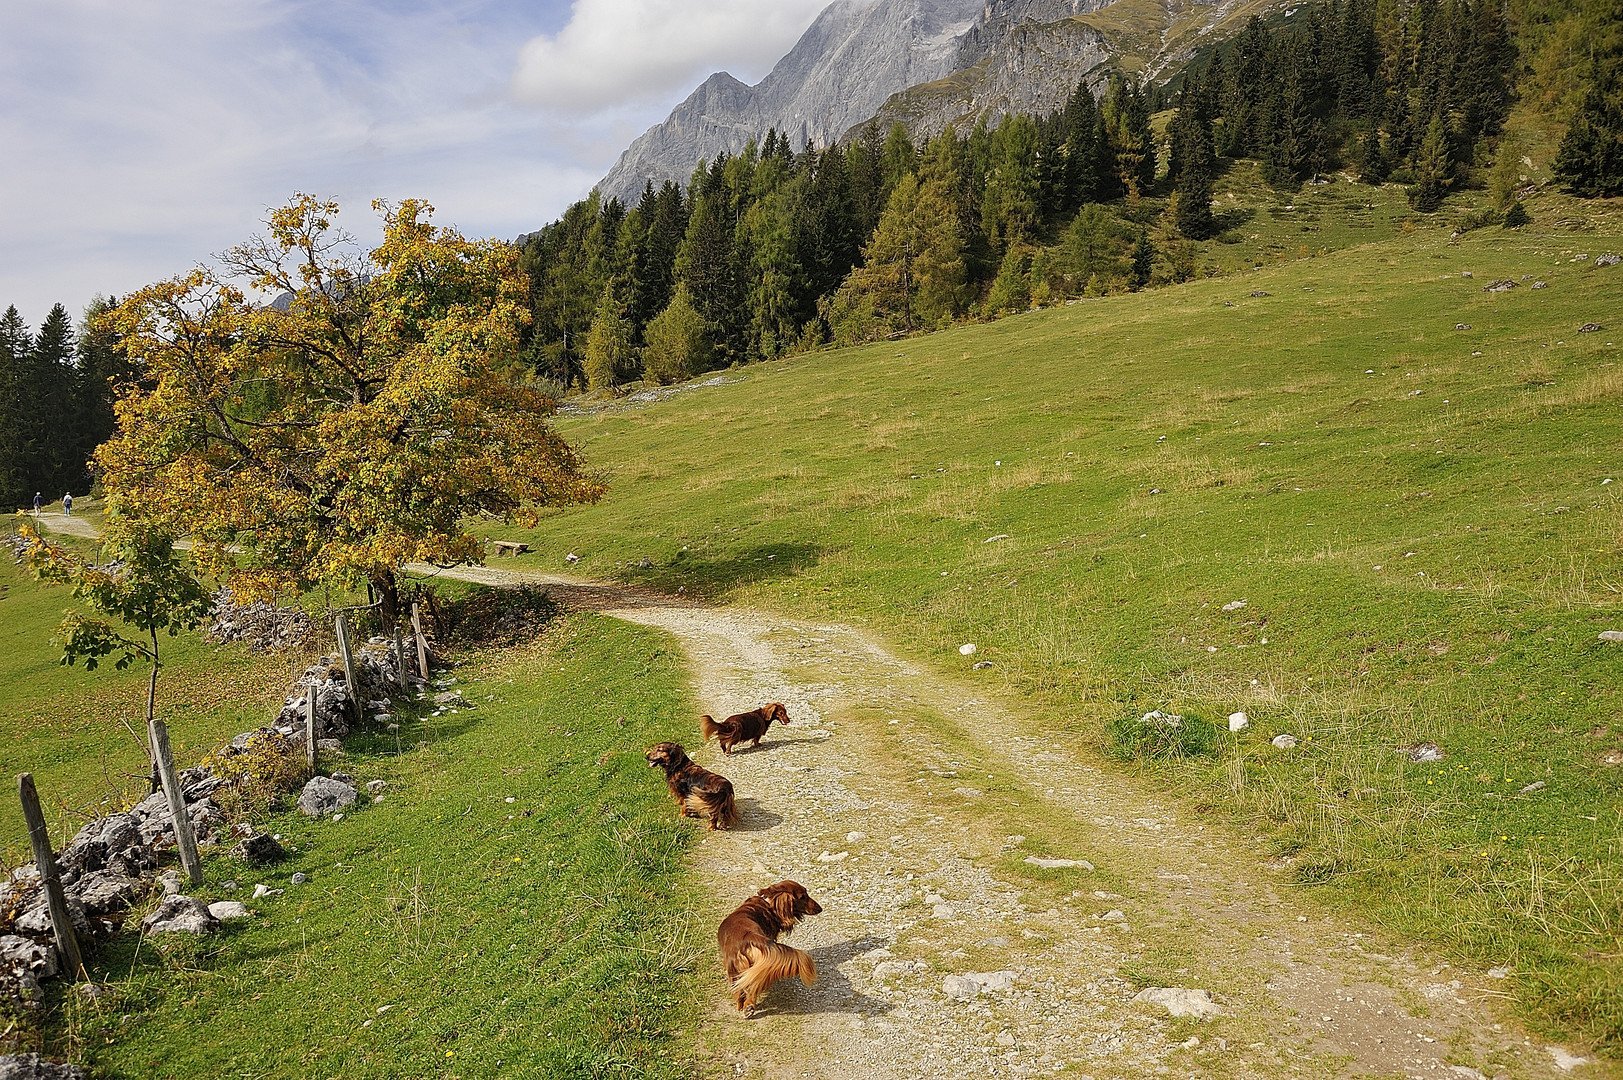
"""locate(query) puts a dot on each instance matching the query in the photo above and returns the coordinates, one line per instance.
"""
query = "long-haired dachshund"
(749, 942)
(698, 792)
(744, 727)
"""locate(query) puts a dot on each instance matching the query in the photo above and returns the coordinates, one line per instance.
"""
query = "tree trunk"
(388, 592)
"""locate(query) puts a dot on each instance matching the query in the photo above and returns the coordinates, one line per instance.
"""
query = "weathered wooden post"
(185, 839)
(67, 944)
(349, 667)
(422, 642)
(310, 726)
(400, 662)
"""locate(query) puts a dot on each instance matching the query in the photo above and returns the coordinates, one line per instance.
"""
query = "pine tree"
(1590, 159)
(678, 342)
(1433, 168)
(608, 343)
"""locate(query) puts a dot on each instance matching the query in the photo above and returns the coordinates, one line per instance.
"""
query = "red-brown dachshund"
(698, 792)
(749, 942)
(744, 727)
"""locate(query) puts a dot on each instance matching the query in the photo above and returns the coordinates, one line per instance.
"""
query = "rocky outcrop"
(856, 54)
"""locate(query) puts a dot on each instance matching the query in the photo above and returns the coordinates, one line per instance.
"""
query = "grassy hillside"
(1416, 516)
(66, 725)
(514, 906)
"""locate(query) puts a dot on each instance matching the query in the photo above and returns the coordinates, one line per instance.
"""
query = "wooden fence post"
(67, 944)
(185, 840)
(400, 662)
(422, 643)
(310, 726)
(349, 667)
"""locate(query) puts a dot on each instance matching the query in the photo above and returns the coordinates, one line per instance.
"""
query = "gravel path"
(901, 798)
(909, 802)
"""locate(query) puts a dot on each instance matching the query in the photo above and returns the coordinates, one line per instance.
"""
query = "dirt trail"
(898, 797)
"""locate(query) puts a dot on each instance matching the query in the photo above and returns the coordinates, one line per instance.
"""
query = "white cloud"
(618, 52)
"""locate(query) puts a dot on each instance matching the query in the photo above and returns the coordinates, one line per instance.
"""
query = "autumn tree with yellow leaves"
(357, 422)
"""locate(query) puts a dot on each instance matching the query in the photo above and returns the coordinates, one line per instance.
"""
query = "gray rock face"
(107, 892)
(855, 55)
(181, 915)
(324, 795)
(34, 1067)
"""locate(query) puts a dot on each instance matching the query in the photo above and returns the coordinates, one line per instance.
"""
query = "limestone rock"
(1058, 864)
(960, 988)
(1285, 742)
(1179, 1001)
(181, 915)
(1239, 721)
(1611, 635)
(106, 892)
(259, 850)
(323, 796)
(34, 1067)
(225, 910)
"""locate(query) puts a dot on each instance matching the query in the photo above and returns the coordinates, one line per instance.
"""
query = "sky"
(140, 137)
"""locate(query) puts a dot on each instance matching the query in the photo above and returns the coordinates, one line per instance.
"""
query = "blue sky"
(140, 136)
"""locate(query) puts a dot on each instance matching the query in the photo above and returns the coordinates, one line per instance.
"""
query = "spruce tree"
(608, 343)
(1590, 159)
(1433, 168)
(1193, 163)
(1143, 262)
(51, 416)
(15, 342)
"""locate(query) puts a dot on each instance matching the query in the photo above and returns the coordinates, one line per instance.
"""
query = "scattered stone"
(1499, 973)
(225, 910)
(375, 786)
(1234, 605)
(960, 988)
(837, 856)
(1462, 326)
(887, 968)
(1611, 635)
(1540, 285)
(1181, 1002)
(229, 886)
(1161, 719)
(969, 649)
(330, 746)
(1239, 721)
(170, 880)
(262, 891)
(1423, 752)
(1059, 864)
(1259, 292)
(855, 837)
(1284, 742)
(1114, 915)
(1466, 274)
(1590, 328)
(968, 792)
(1563, 1060)
(299, 879)
(324, 795)
(1537, 785)
(995, 539)
(942, 911)
(993, 981)
(571, 558)
(259, 850)
(982, 665)
(34, 1067)
(1608, 260)
(1502, 285)
(181, 915)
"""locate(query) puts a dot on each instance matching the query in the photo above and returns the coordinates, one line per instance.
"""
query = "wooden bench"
(509, 547)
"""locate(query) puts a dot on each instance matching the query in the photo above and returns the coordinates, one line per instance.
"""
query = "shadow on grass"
(714, 578)
(833, 992)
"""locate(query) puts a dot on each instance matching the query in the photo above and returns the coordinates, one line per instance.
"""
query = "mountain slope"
(853, 57)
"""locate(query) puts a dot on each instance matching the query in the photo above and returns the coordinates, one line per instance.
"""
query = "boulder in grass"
(1590, 328)
(259, 850)
(181, 915)
(225, 910)
(34, 1067)
(1178, 1001)
(324, 796)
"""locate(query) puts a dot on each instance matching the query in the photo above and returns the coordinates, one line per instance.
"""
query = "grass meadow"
(1405, 478)
(515, 906)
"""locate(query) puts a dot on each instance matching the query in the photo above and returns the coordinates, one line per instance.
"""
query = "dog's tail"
(777, 961)
(708, 728)
(724, 812)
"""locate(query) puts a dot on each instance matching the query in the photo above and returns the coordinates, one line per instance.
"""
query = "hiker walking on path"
(39, 500)
(67, 505)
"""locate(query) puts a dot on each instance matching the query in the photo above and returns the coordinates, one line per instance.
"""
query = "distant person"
(67, 505)
(39, 500)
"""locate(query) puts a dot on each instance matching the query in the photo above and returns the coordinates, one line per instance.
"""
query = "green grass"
(65, 725)
(448, 931)
(1414, 515)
